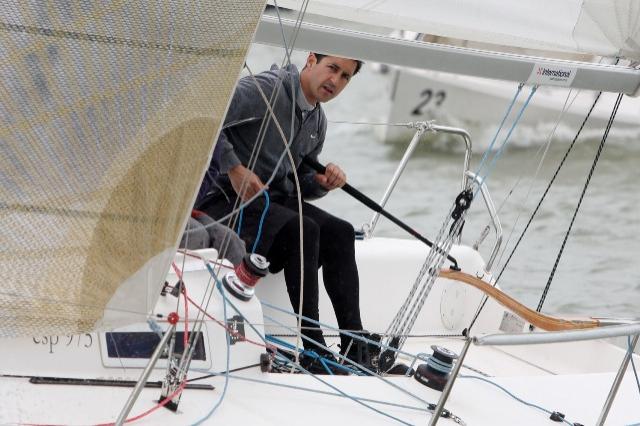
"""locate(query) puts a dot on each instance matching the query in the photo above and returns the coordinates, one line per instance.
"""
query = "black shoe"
(321, 361)
(363, 353)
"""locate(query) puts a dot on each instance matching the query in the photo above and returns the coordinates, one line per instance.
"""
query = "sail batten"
(110, 112)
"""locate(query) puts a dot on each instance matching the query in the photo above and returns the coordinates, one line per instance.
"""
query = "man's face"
(324, 80)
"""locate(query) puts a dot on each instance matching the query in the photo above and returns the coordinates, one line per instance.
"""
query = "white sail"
(600, 27)
(109, 113)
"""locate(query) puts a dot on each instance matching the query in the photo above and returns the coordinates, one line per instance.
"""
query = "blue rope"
(438, 365)
(219, 286)
(497, 155)
(495, 137)
(228, 339)
(325, 362)
(330, 327)
(513, 396)
(264, 214)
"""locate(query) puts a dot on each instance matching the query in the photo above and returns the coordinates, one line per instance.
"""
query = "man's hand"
(332, 178)
(252, 183)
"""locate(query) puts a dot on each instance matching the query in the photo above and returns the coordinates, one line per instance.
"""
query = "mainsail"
(600, 27)
(109, 114)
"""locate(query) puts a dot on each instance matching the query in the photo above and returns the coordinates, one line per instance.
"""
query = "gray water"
(598, 274)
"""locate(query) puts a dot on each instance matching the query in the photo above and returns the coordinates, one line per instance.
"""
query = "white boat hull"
(573, 377)
(478, 105)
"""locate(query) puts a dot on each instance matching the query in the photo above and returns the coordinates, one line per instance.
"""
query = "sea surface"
(599, 271)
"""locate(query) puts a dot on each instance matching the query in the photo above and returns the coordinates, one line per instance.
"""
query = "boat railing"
(421, 127)
(622, 328)
(467, 177)
(495, 221)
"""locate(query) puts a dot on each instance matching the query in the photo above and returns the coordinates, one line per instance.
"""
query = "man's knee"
(223, 239)
(337, 228)
(310, 229)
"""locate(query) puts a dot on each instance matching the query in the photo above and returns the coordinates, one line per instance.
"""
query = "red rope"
(245, 275)
(214, 262)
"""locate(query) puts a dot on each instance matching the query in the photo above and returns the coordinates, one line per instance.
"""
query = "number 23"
(427, 94)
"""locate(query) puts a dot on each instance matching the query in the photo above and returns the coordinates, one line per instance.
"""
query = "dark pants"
(328, 243)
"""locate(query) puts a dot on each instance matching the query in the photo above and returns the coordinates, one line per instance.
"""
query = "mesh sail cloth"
(109, 113)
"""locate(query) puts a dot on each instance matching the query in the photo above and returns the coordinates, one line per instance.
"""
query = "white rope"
(233, 215)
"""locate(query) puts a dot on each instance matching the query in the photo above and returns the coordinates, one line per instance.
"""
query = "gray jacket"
(242, 129)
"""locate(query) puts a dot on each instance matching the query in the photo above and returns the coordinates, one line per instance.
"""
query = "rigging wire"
(575, 213)
(321, 392)
(228, 341)
(256, 148)
(409, 310)
(500, 151)
(495, 136)
(537, 208)
(370, 372)
(207, 295)
(298, 196)
(297, 365)
(544, 149)
(505, 390)
(633, 364)
(551, 182)
(533, 214)
(293, 165)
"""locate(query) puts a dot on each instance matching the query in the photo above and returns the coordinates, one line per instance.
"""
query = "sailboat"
(110, 115)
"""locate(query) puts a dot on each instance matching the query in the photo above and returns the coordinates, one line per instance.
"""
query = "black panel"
(141, 344)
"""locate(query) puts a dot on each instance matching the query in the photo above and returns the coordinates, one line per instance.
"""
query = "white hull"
(478, 105)
(573, 378)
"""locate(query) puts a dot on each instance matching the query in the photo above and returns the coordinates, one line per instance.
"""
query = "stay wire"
(487, 152)
(549, 185)
(320, 392)
(544, 149)
(575, 138)
(633, 364)
(575, 213)
(535, 211)
(505, 390)
(500, 151)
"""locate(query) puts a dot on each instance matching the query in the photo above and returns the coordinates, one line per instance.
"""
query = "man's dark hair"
(359, 63)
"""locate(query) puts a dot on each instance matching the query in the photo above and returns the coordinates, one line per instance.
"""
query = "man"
(328, 240)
